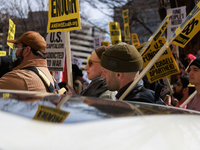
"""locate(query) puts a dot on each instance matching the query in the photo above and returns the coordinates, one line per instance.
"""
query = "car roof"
(73, 109)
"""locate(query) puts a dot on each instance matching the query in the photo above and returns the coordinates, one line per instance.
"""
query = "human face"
(93, 68)
(19, 55)
(194, 75)
(178, 90)
(111, 79)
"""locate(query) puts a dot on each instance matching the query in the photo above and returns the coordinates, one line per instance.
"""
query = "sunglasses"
(90, 62)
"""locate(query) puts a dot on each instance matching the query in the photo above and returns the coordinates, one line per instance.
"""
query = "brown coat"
(25, 79)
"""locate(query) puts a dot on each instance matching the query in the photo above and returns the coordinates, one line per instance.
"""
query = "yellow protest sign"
(139, 47)
(135, 40)
(186, 31)
(63, 16)
(115, 32)
(50, 114)
(126, 25)
(164, 66)
(158, 33)
(11, 33)
(105, 43)
(2, 53)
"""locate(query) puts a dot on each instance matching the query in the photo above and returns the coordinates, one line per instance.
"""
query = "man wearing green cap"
(121, 65)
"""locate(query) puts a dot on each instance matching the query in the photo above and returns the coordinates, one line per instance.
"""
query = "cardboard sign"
(177, 17)
(126, 25)
(158, 33)
(97, 42)
(139, 48)
(186, 31)
(164, 66)
(105, 43)
(2, 53)
(11, 33)
(115, 32)
(55, 51)
(63, 15)
(50, 114)
(135, 40)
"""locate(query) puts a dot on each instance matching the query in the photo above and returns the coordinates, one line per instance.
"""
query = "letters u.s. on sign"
(63, 16)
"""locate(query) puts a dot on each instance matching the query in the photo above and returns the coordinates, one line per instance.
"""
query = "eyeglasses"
(90, 62)
(15, 46)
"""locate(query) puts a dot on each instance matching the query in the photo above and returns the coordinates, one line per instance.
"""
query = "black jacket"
(140, 94)
(95, 88)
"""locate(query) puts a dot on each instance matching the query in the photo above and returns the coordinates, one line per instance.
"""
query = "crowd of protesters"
(111, 71)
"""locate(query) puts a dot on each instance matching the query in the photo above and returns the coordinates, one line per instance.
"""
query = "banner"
(50, 114)
(11, 33)
(97, 42)
(126, 25)
(186, 31)
(115, 32)
(158, 33)
(77, 61)
(135, 40)
(63, 15)
(55, 51)
(139, 48)
(105, 43)
(164, 66)
(177, 17)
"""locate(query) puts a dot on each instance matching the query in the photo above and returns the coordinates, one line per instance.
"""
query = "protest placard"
(105, 43)
(11, 33)
(97, 42)
(115, 33)
(55, 51)
(135, 40)
(178, 15)
(139, 47)
(164, 66)
(50, 114)
(126, 25)
(186, 31)
(63, 16)
(2, 53)
(158, 33)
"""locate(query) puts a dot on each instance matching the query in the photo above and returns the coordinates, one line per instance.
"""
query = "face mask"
(14, 58)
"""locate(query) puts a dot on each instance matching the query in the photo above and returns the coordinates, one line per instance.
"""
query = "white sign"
(177, 17)
(77, 61)
(97, 42)
(55, 51)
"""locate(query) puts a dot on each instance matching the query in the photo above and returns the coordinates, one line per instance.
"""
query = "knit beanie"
(100, 50)
(196, 62)
(122, 58)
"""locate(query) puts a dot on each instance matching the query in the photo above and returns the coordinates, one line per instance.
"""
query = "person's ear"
(186, 90)
(119, 75)
(27, 51)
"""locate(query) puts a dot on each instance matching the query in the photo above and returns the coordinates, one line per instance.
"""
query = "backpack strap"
(46, 81)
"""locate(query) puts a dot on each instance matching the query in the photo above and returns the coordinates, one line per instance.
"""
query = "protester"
(98, 87)
(181, 92)
(121, 65)
(30, 53)
(194, 78)
(78, 86)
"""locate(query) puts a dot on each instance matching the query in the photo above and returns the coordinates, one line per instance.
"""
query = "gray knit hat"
(122, 58)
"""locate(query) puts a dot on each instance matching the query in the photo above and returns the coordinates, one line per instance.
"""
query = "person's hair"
(185, 80)
(36, 52)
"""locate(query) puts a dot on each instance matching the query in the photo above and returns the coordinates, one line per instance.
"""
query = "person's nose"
(86, 67)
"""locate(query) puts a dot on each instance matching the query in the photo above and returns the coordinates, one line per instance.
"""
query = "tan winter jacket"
(25, 79)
